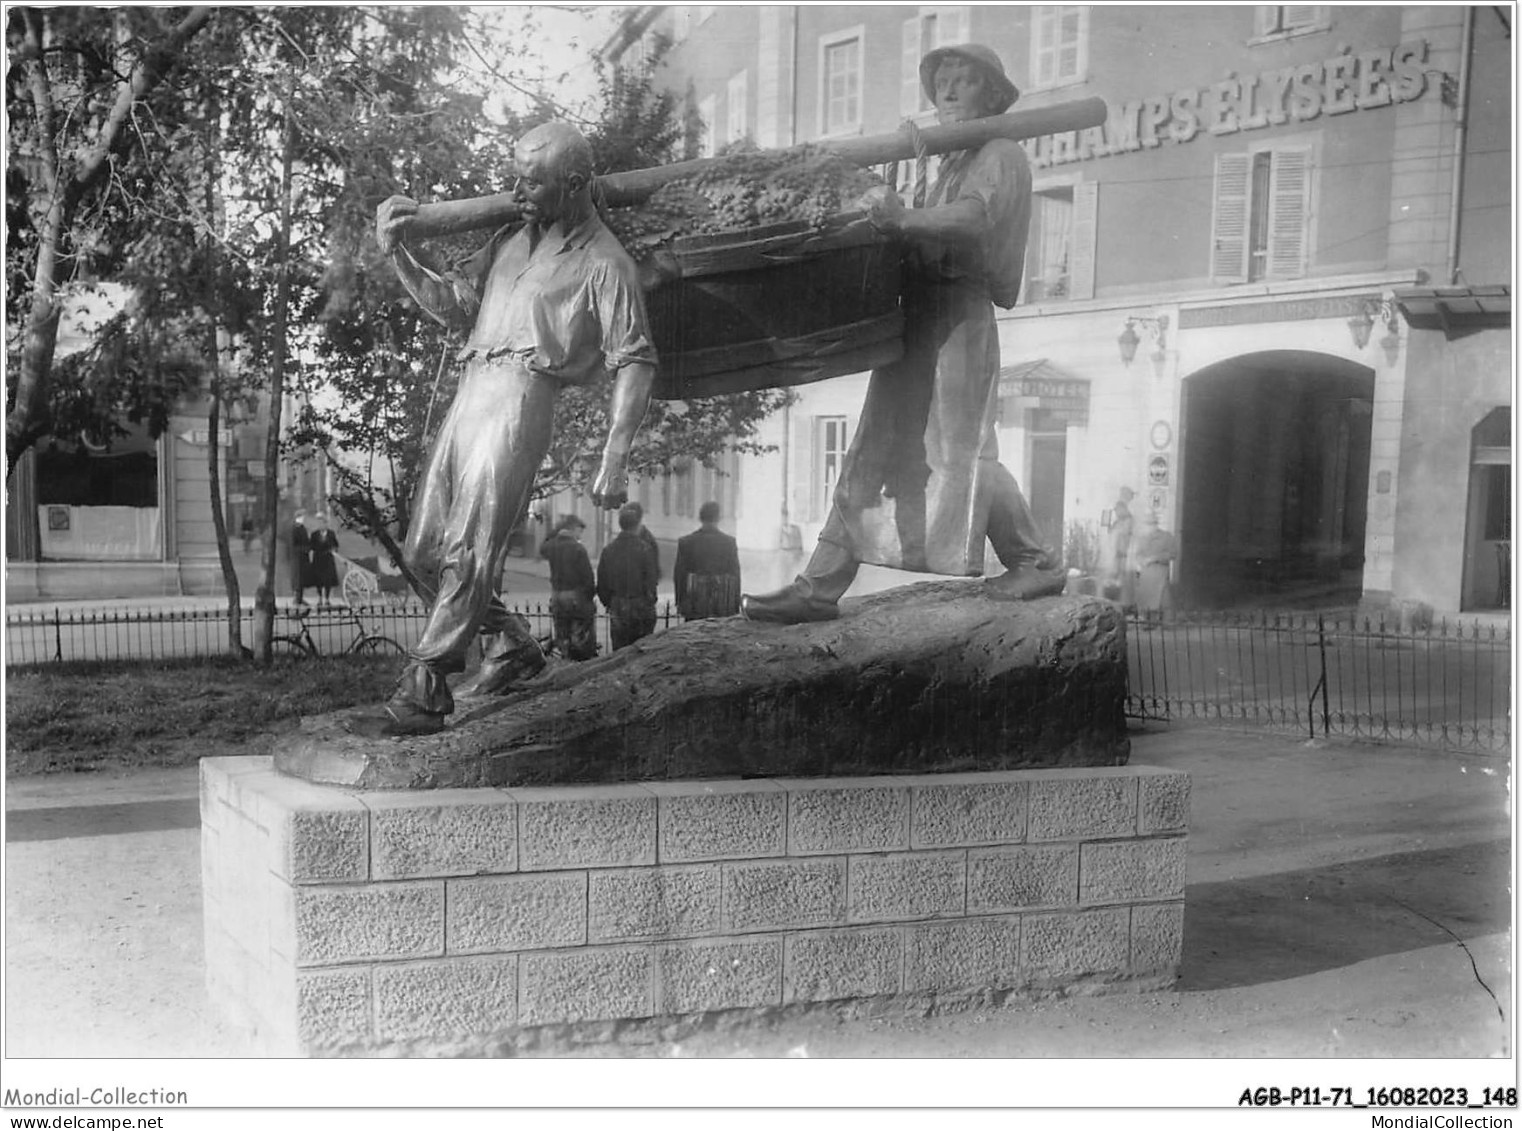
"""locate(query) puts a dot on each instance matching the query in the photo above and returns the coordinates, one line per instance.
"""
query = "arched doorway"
(1487, 541)
(1275, 480)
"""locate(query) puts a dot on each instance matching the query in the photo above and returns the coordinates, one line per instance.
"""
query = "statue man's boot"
(419, 704)
(814, 594)
(512, 656)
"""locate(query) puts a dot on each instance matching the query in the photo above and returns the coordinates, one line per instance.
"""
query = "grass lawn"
(81, 717)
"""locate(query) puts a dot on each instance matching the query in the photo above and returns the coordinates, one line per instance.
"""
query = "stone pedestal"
(343, 922)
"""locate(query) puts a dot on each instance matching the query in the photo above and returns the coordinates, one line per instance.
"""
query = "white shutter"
(1228, 222)
(951, 25)
(1289, 212)
(909, 69)
(1302, 15)
(1267, 19)
(1085, 230)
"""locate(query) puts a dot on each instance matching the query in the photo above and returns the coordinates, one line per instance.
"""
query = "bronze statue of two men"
(557, 301)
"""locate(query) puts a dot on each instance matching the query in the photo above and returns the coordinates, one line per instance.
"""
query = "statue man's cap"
(986, 58)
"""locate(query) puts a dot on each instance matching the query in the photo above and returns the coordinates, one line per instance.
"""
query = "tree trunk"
(214, 355)
(937, 677)
(264, 598)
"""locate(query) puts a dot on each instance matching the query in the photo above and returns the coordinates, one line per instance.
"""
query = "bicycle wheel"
(378, 646)
(294, 646)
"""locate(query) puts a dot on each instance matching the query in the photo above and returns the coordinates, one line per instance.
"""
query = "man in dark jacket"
(571, 590)
(626, 579)
(707, 573)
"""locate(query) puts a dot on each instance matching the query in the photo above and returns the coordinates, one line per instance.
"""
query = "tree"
(74, 85)
(390, 367)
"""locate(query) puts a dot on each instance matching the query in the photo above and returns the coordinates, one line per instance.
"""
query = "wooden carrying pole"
(448, 217)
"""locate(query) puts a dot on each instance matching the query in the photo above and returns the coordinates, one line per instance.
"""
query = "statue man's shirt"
(914, 494)
(567, 306)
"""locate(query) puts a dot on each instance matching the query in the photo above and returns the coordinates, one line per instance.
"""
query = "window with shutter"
(1085, 230)
(830, 441)
(1228, 222)
(1261, 227)
(708, 112)
(1283, 20)
(911, 99)
(1059, 44)
(840, 82)
(1289, 192)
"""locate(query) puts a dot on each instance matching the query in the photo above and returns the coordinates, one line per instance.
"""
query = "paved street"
(1342, 901)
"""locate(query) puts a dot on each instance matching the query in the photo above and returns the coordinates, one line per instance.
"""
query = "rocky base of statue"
(940, 676)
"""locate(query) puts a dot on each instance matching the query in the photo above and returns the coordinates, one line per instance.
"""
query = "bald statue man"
(553, 302)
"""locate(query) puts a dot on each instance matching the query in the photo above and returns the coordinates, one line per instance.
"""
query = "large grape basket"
(779, 305)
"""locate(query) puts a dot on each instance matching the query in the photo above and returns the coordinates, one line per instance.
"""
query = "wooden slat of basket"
(783, 362)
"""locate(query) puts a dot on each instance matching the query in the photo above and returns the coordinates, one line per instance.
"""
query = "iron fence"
(1447, 685)
(56, 635)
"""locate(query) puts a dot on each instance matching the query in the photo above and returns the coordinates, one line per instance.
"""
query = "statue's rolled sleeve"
(621, 316)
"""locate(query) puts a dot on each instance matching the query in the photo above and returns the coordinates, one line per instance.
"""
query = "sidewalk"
(1337, 895)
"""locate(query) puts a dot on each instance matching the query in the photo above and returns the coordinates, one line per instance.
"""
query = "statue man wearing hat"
(922, 486)
(552, 302)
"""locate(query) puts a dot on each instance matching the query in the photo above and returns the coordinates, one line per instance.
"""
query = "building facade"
(1270, 296)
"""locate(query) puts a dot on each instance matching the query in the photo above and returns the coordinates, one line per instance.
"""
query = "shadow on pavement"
(1285, 925)
(67, 822)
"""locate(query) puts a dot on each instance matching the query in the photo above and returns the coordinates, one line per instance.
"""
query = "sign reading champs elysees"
(1346, 82)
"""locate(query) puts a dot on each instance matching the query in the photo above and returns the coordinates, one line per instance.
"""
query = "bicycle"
(367, 641)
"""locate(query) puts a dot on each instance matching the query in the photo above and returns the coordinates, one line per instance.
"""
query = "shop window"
(1497, 503)
(933, 27)
(1260, 223)
(840, 80)
(1059, 44)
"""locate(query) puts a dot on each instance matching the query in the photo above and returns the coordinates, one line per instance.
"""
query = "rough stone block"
(1157, 937)
(719, 974)
(720, 820)
(448, 832)
(593, 984)
(829, 965)
(522, 912)
(587, 827)
(351, 924)
(1076, 942)
(841, 815)
(333, 1008)
(768, 895)
(317, 834)
(653, 903)
(1162, 803)
(910, 885)
(1034, 875)
(1074, 804)
(968, 809)
(453, 999)
(1125, 871)
(963, 954)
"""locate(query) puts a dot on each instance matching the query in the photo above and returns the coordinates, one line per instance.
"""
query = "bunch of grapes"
(806, 184)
